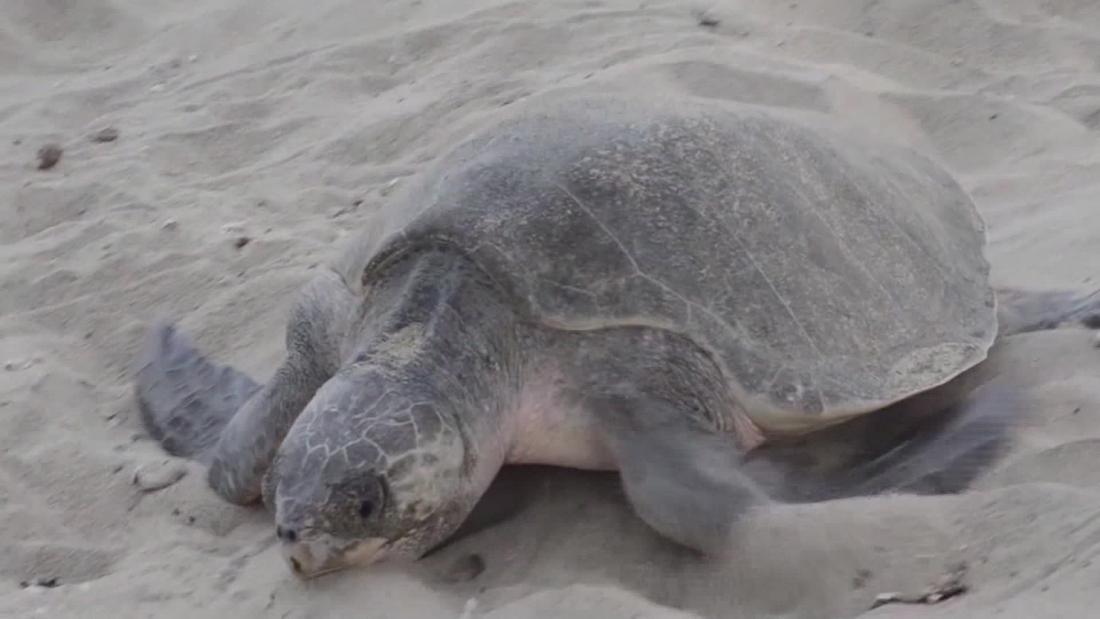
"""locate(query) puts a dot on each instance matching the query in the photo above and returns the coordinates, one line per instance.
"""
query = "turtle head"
(371, 469)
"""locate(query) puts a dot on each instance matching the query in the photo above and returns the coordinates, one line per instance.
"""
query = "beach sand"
(214, 152)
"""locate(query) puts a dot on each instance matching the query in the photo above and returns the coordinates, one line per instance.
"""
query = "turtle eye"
(366, 509)
(365, 495)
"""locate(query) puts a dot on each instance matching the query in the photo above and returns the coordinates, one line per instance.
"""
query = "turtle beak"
(309, 559)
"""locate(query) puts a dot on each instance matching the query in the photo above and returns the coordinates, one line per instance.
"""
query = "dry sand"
(286, 122)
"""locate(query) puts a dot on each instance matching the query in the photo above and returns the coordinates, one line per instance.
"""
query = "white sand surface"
(289, 121)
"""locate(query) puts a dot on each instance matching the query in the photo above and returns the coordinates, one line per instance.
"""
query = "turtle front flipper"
(682, 479)
(248, 443)
(185, 399)
(219, 416)
(215, 414)
(663, 409)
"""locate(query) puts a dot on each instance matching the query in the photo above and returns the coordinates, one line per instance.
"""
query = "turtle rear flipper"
(907, 449)
(185, 399)
(946, 455)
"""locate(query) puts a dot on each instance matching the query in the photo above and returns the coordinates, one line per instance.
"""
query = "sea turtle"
(649, 285)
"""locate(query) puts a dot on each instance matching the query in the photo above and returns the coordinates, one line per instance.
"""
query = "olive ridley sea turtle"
(663, 287)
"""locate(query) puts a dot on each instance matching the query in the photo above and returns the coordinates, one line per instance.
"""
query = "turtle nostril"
(288, 534)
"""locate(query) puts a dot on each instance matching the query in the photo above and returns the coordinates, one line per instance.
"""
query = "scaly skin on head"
(392, 453)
